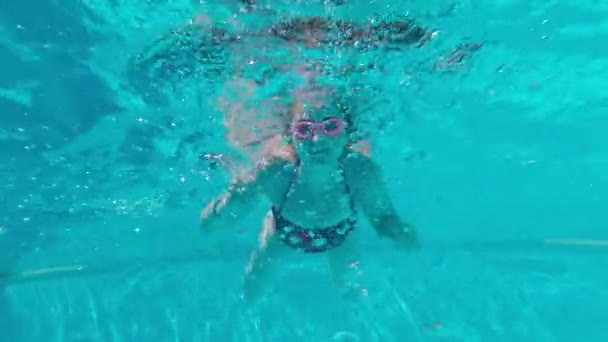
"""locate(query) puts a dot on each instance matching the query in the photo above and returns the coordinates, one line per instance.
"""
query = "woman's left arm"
(369, 191)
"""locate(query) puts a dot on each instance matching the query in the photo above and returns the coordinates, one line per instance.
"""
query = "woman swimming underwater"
(317, 179)
(317, 182)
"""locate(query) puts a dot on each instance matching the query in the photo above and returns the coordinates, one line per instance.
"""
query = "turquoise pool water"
(499, 158)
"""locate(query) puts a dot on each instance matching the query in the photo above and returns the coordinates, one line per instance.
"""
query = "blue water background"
(489, 162)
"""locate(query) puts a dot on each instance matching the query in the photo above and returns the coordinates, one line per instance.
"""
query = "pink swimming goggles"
(306, 129)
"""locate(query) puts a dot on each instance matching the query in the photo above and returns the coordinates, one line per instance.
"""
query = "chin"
(321, 157)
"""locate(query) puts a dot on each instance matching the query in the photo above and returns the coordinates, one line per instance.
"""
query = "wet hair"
(340, 102)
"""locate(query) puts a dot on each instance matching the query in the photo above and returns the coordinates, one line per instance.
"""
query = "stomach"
(317, 214)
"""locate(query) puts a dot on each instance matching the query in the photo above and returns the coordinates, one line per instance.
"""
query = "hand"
(402, 233)
(209, 210)
(407, 239)
(209, 215)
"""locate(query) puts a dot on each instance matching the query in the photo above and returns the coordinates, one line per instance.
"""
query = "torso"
(316, 202)
(313, 211)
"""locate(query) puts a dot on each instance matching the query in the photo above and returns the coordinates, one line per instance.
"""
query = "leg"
(262, 266)
(345, 268)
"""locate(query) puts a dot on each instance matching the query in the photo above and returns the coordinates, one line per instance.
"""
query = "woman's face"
(318, 132)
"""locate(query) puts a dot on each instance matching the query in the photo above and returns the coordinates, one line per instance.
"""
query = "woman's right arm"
(239, 199)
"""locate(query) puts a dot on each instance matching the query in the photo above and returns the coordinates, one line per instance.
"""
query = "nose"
(315, 137)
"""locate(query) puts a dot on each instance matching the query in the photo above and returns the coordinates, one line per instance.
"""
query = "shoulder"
(361, 173)
(359, 164)
(272, 157)
(272, 172)
(278, 158)
(264, 170)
